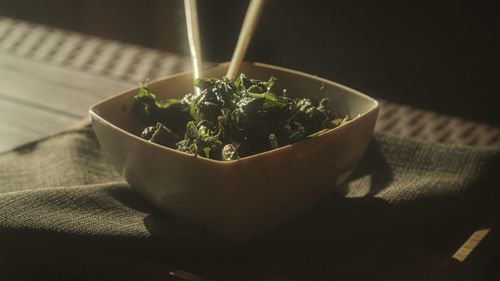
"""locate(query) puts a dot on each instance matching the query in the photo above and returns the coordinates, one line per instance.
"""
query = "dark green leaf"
(229, 119)
(164, 136)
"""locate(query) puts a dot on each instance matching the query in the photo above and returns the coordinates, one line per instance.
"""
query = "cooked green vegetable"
(230, 119)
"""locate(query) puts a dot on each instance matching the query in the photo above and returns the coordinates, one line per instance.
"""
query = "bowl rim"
(95, 116)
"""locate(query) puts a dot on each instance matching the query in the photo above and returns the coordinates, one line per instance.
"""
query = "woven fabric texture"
(64, 212)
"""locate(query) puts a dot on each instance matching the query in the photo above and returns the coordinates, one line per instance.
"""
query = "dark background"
(436, 55)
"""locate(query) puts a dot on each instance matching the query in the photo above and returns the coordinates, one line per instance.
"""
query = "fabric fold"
(60, 198)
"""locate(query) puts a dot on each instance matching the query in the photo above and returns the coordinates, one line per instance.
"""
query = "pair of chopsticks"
(249, 24)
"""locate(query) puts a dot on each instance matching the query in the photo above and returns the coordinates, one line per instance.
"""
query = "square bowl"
(243, 198)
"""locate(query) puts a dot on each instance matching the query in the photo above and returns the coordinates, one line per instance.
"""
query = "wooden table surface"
(49, 78)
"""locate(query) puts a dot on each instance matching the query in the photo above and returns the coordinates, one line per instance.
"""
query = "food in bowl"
(229, 119)
(240, 199)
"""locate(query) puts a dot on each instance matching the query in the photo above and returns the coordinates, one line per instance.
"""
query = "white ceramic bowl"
(238, 199)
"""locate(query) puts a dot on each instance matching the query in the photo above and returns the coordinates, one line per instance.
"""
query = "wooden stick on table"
(249, 24)
(476, 238)
(82, 123)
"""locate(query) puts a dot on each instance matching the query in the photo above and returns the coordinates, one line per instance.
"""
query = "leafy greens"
(230, 119)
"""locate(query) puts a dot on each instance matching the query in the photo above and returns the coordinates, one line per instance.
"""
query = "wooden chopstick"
(478, 236)
(193, 32)
(249, 24)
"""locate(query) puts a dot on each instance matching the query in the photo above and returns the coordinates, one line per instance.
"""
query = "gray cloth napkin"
(65, 213)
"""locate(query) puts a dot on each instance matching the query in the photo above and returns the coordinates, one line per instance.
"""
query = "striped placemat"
(131, 63)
